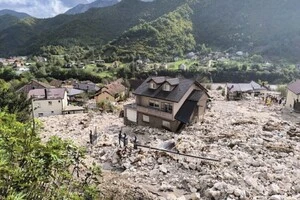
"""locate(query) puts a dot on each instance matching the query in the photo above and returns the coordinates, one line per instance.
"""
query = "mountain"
(7, 21)
(19, 15)
(81, 8)
(170, 34)
(94, 27)
(270, 28)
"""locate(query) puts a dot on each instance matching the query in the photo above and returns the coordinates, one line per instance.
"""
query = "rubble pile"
(258, 153)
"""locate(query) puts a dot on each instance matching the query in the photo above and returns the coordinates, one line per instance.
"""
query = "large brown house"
(169, 103)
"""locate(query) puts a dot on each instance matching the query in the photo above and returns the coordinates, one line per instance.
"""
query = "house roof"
(26, 87)
(186, 110)
(113, 88)
(244, 87)
(234, 87)
(49, 93)
(158, 79)
(295, 87)
(175, 95)
(257, 86)
(74, 92)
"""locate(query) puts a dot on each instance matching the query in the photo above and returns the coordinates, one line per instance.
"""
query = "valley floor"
(258, 148)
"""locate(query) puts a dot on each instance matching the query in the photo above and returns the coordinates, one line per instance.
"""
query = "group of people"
(124, 139)
(274, 100)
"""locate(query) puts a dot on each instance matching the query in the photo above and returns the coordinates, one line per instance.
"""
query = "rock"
(154, 173)
(163, 169)
(171, 196)
(297, 189)
(221, 186)
(181, 198)
(166, 188)
(210, 193)
(276, 197)
(194, 196)
(274, 189)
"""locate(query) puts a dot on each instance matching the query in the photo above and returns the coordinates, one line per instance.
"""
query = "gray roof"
(295, 87)
(185, 112)
(234, 87)
(195, 95)
(158, 79)
(175, 95)
(49, 93)
(257, 86)
(73, 92)
(245, 87)
(173, 81)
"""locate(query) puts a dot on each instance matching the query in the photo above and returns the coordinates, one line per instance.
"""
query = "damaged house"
(169, 103)
(236, 91)
(293, 96)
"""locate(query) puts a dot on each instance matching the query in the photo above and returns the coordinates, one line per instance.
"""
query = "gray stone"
(276, 197)
(163, 169)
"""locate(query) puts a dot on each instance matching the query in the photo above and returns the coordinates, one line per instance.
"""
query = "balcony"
(155, 112)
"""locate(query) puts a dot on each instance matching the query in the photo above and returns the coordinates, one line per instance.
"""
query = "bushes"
(107, 106)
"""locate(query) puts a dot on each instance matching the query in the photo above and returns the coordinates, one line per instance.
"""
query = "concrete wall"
(202, 107)
(44, 108)
(156, 122)
(290, 99)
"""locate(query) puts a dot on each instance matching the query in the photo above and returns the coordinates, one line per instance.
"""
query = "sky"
(41, 8)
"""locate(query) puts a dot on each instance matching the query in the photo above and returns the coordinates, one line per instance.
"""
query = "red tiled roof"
(113, 88)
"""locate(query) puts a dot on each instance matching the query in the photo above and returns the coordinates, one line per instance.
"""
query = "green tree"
(30, 169)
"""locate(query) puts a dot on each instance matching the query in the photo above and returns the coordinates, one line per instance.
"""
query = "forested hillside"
(168, 35)
(270, 28)
(95, 27)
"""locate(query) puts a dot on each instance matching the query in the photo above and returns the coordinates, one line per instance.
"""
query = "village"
(172, 138)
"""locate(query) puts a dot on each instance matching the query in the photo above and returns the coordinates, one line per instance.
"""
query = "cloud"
(41, 8)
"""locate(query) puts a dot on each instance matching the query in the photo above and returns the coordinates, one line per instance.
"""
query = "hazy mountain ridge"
(19, 15)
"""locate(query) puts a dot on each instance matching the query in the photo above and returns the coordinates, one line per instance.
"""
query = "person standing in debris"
(120, 138)
(135, 142)
(91, 137)
(125, 140)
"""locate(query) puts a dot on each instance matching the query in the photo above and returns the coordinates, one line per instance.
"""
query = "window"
(41, 114)
(154, 104)
(166, 124)
(166, 87)
(167, 107)
(50, 103)
(52, 112)
(152, 85)
(58, 101)
(145, 118)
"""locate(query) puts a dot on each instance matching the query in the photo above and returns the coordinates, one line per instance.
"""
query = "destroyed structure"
(236, 91)
(169, 103)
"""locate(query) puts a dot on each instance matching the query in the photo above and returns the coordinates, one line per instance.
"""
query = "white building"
(293, 94)
(50, 101)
